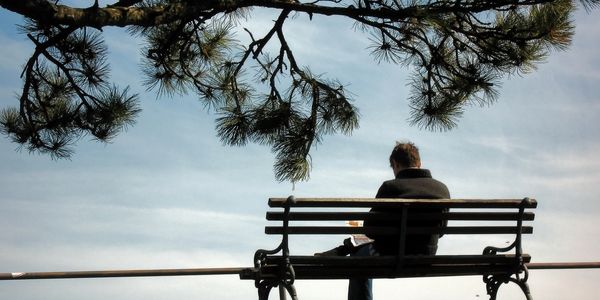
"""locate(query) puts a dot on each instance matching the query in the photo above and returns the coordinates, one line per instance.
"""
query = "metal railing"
(224, 271)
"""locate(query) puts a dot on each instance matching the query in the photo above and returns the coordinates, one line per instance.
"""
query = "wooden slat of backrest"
(394, 230)
(453, 216)
(378, 202)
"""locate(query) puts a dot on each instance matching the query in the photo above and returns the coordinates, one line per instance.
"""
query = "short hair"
(406, 154)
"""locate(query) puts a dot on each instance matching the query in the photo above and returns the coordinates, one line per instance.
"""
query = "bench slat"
(407, 260)
(424, 271)
(379, 202)
(395, 230)
(329, 272)
(454, 216)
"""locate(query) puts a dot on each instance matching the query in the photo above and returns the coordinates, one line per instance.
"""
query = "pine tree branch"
(47, 12)
(125, 3)
(457, 53)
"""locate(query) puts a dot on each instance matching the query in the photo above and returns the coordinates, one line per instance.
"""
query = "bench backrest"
(318, 212)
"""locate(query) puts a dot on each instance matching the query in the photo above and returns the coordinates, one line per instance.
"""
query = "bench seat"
(318, 267)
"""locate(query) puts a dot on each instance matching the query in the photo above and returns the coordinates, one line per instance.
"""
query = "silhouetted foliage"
(458, 50)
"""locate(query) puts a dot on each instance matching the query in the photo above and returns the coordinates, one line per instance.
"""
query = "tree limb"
(47, 12)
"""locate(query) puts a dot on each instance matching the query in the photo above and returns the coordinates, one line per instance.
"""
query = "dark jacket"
(411, 184)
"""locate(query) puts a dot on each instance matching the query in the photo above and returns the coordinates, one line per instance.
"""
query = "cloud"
(13, 53)
(503, 144)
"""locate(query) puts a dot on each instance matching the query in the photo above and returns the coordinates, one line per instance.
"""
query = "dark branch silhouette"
(458, 50)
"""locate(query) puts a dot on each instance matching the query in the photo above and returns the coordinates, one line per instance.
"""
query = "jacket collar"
(414, 173)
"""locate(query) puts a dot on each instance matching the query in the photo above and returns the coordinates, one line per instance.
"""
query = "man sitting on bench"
(410, 182)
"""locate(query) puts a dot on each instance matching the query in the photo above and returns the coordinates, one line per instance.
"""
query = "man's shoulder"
(413, 181)
(414, 187)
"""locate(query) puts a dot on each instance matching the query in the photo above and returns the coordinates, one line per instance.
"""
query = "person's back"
(410, 183)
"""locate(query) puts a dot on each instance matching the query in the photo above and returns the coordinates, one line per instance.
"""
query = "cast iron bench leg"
(265, 286)
(493, 283)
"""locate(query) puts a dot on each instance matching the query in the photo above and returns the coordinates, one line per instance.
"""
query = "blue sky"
(168, 194)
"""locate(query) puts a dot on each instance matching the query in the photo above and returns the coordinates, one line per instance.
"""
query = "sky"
(167, 194)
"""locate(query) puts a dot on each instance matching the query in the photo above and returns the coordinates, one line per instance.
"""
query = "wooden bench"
(493, 217)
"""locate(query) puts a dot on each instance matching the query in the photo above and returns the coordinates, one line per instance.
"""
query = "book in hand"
(360, 239)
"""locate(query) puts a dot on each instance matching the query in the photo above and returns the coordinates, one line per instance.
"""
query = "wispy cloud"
(13, 53)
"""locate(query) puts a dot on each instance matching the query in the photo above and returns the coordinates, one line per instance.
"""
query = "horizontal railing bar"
(120, 273)
(299, 260)
(563, 265)
(452, 216)
(379, 202)
(395, 230)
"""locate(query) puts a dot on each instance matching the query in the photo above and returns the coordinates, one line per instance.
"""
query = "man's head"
(405, 155)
